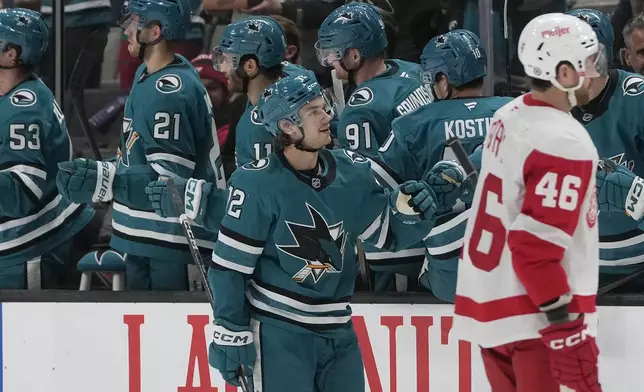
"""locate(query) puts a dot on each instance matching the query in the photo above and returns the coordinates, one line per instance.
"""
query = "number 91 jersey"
(168, 131)
(532, 236)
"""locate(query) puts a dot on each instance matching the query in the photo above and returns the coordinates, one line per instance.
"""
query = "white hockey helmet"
(550, 39)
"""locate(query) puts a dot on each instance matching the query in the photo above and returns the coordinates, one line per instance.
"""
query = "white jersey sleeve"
(533, 236)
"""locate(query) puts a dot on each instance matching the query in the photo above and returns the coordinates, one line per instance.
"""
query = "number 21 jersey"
(533, 233)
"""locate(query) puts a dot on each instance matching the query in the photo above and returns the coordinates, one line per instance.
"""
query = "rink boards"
(147, 347)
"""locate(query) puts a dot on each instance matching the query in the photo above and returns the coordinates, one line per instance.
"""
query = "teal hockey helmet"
(458, 54)
(173, 15)
(352, 26)
(600, 24)
(261, 36)
(284, 99)
(26, 29)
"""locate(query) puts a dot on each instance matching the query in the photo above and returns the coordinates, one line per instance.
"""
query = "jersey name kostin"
(420, 97)
(471, 127)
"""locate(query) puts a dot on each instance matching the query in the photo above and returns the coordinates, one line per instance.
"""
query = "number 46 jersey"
(168, 131)
(532, 236)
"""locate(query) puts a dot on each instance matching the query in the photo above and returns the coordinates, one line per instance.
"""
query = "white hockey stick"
(338, 91)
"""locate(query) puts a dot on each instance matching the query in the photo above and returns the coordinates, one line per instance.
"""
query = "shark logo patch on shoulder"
(361, 96)
(168, 84)
(23, 98)
(633, 85)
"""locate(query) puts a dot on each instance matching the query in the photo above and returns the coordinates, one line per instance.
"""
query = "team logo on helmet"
(169, 84)
(345, 17)
(633, 85)
(253, 26)
(23, 98)
(361, 97)
(254, 117)
(22, 20)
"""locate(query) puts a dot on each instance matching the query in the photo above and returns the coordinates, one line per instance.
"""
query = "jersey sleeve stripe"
(27, 169)
(541, 230)
(161, 156)
(375, 256)
(310, 320)
(29, 183)
(240, 246)
(231, 265)
(372, 228)
(440, 250)
(165, 172)
(450, 224)
(250, 242)
(382, 173)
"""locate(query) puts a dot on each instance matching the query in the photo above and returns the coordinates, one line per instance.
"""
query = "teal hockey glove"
(85, 180)
(194, 193)
(232, 348)
(415, 200)
(619, 189)
(446, 180)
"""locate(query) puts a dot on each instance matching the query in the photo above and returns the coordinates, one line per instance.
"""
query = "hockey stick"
(196, 257)
(87, 58)
(463, 158)
(619, 282)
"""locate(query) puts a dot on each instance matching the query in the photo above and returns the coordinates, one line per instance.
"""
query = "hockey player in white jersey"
(527, 277)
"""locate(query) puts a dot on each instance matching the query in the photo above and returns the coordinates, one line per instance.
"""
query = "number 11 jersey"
(532, 236)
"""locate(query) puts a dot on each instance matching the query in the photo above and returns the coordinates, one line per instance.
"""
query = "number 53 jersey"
(532, 236)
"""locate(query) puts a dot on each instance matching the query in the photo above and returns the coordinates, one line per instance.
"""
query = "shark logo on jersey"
(633, 85)
(321, 246)
(129, 138)
(355, 157)
(254, 117)
(168, 84)
(361, 96)
(23, 98)
(619, 159)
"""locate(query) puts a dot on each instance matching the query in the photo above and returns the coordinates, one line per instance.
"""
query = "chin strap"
(300, 143)
(144, 45)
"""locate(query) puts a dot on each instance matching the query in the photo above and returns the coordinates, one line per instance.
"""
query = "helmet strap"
(144, 45)
(572, 99)
(300, 143)
(241, 74)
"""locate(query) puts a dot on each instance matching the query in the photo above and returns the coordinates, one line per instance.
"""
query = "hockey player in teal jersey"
(36, 223)
(352, 40)
(454, 64)
(614, 122)
(284, 264)
(168, 131)
(250, 54)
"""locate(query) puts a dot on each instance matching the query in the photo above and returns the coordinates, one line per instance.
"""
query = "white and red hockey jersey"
(532, 235)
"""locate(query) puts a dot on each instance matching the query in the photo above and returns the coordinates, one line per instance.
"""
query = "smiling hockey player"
(352, 40)
(454, 66)
(37, 224)
(168, 131)
(284, 264)
(250, 54)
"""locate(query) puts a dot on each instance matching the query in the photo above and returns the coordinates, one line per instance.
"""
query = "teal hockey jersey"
(615, 123)
(168, 131)
(415, 145)
(252, 140)
(286, 248)
(34, 218)
(365, 122)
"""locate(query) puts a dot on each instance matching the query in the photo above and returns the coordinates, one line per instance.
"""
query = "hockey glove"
(573, 355)
(85, 181)
(619, 189)
(194, 193)
(446, 180)
(232, 348)
(415, 200)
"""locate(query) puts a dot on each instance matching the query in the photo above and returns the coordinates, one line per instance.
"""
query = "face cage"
(327, 56)
(597, 64)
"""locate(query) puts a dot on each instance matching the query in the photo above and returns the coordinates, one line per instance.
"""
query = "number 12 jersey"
(533, 233)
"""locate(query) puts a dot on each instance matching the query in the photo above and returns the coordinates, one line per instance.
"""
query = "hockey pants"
(145, 273)
(519, 367)
(439, 276)
(305, 362)
(45, 272)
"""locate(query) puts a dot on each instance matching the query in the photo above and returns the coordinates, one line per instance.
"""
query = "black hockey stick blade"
(611, 286)
(189, 234)
(463, 158)
(365, 274)
(88, 57)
